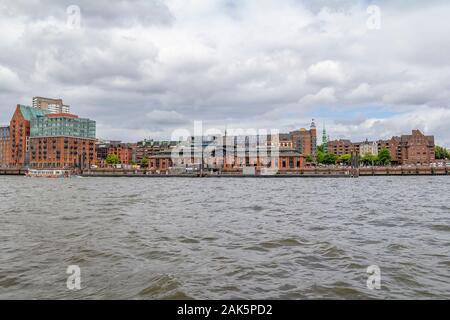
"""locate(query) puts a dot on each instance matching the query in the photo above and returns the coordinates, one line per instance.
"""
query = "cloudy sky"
(143, 68)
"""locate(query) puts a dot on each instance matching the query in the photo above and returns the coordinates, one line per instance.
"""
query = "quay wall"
(301, 172)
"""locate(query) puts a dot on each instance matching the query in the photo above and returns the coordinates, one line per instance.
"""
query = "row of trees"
(113, 159)
(383, 158)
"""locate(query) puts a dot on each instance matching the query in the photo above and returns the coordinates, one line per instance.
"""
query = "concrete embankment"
(325, 172)
(330, 172)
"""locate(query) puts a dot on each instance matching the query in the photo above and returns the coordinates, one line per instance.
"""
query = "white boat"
(47, 173)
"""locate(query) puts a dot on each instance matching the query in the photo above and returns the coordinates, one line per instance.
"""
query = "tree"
(369, 159)
(346, 159)
(384, 157)
(441, 153)
(112, 159)
(320, 156)
(326, 158)
(144, 162)
(330, 158)
(321, 148)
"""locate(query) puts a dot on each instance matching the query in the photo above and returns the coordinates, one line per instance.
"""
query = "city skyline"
(223, 131)
(161, 69)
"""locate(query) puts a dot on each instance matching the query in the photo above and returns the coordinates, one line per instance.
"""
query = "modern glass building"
(67, 125)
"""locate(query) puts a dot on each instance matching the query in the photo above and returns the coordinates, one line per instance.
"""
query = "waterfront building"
(20, 133)
(62, 141)
(305, 141)
(230, 153)
(124, 151)
(62, 124)
(148, 148)
(417, 148)
(101, 150)
(51, 105)
(340, 147)
(366, 148)
(393, 145)
(161, 161)
(4, 145)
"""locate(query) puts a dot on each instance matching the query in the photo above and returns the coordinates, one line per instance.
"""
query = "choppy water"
(143, 238)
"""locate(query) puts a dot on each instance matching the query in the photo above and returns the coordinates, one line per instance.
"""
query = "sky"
(145, 68)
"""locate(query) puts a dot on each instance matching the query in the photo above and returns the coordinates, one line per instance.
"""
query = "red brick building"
(61, 152)
(417, 148)
(340, 147)
(123, 150)
(20, 133)
(305, 141)
(393, 145)
(284, 160)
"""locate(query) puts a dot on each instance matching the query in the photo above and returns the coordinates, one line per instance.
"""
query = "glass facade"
(50, 126)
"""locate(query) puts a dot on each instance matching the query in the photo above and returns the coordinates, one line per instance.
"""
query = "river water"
(225, 238)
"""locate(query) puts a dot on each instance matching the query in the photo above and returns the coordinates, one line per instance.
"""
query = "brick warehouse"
(124, 151)
(38, 138)
(61, 152)
(20, 133)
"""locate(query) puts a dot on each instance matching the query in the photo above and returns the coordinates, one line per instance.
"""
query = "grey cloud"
(94, 14)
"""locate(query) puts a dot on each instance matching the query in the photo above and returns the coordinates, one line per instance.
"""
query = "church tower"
(324, 139)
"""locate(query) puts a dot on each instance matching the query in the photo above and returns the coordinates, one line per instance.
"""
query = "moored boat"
(47, 173)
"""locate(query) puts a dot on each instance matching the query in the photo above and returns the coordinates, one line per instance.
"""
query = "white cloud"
(323, 97)
(362, 93)
(9, 81)
(428, 120)
(326, 73)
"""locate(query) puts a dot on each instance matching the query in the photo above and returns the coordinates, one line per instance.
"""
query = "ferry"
(47, 173)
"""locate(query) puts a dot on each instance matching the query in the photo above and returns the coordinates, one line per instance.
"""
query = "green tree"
(369, 159)
(441, 153)
(384, 157)
(112, 159)
(326, 158)
(144, 162)
(330, 158)
(320, 156)
(321, 148)
(346, 159)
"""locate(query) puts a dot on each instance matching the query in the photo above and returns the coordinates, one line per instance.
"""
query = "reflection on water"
(184, 238)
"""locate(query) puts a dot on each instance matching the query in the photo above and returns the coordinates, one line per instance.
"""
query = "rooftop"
(30, 112)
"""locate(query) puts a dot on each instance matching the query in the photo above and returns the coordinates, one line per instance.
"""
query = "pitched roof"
(29, 113)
